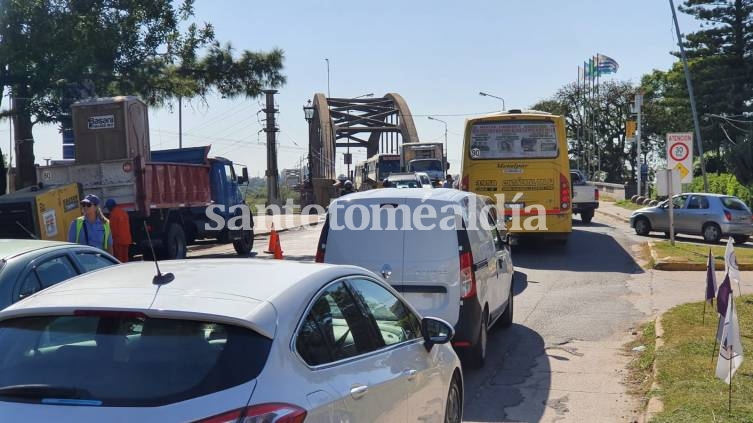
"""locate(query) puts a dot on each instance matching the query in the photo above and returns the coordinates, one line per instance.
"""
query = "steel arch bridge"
(380, 125)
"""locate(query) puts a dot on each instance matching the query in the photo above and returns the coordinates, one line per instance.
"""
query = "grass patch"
(694, 253)
(640, 375)
(627, 204)
(607, 197)
(689, 390)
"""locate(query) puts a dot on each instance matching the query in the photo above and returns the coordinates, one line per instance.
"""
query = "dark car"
(709, 215)
(28, 266)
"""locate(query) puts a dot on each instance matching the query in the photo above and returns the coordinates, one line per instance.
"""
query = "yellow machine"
(39, 212)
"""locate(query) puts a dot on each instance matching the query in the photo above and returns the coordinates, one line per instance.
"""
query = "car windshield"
(734, 203)
(127, 360)
(407, 184)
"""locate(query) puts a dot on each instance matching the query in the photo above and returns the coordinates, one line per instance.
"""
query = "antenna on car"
(159, 278)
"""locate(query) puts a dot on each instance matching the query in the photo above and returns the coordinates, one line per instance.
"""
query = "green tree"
(721, 60)
(54, 52)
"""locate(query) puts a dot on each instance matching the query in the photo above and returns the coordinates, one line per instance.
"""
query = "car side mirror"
(436, 331)
(244, 176)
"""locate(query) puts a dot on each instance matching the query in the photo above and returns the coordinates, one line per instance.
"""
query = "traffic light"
(630, 127)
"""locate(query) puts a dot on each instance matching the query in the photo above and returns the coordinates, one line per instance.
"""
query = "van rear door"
(431, 274)
(356, 237)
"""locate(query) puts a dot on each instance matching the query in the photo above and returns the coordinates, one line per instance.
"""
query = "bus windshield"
(513, 140)
(388, 166)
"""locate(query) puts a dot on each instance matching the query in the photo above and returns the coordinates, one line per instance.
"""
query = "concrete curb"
(655, 404)
(614, 216)
(669, 265)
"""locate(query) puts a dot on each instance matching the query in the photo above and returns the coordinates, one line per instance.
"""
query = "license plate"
(514, 205)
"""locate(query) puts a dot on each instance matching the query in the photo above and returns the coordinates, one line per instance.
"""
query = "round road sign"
(679, 151)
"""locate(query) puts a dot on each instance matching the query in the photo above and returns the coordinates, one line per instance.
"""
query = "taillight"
(467, 277)
(727, 216)
(564, 192)
(596, 194)
(263, 413)
(464, 183)
(320, 253)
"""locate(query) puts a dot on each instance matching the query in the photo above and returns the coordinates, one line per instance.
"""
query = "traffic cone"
(278, 248)
(273, 241)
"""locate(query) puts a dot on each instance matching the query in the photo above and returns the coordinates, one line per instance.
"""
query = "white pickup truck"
(585, 196)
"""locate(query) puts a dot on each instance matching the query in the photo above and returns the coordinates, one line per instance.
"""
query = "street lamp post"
(444, 165)
(347, 147)
(308, 114)
(483, 94)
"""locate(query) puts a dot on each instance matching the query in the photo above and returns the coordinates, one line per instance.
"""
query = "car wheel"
(453, 412)
(740, 239)
(712, 233)
(587, 216)
(642, 226)
(477, 353)
(505, 320)
(245, 243)
(175, 243)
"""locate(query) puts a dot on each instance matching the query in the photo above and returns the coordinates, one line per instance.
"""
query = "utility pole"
(689, 82)
(180, 122)
(638, 105)
(271, 130)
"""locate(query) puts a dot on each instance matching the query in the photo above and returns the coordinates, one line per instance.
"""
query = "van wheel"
(477, 353)
(505, 320)
(175, 243)
(586, 216)
(245, 243)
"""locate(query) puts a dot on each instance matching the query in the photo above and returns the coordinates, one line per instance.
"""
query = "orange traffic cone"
(278, 248)
(273, 241)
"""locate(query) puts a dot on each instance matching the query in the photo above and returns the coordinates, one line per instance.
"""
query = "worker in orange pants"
(121, 230)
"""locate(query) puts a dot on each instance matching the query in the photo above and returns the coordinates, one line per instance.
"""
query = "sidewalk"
(282, 222)
(610, 209)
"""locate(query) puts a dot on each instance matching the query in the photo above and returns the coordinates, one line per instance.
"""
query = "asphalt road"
(575, 308)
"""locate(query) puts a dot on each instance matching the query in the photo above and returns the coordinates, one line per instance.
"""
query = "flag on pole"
(722, 297)
(710, 279)
(606, 64)
(730, 349)
(730, 262)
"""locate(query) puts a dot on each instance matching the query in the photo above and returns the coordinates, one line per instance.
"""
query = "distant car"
(28, 266)
(405, 180)
(709, 215)
(425, 180)
(221, 340)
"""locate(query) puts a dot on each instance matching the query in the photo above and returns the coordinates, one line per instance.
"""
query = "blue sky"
(438, 55)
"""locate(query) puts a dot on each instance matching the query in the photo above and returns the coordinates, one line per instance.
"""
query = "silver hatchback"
(709, 215)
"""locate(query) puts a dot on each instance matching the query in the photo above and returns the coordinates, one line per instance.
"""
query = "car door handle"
(358, 391)
(409, 373)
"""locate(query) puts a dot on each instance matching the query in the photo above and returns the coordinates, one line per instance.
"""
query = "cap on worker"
(90, 199)
(110, 203)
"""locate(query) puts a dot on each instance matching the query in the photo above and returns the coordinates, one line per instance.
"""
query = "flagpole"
(732, 349)
(713, 351)
(703, 322)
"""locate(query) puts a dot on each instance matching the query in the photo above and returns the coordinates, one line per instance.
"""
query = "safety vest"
(80, 224)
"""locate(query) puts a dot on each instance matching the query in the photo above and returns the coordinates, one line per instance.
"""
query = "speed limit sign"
(680, 154)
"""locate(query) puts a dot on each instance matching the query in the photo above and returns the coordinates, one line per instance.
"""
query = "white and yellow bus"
(520, 158)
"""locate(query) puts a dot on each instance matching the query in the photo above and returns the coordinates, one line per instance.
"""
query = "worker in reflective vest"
(92, 228)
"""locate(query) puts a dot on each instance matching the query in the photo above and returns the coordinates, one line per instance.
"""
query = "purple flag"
(710, 279)
(722, 297)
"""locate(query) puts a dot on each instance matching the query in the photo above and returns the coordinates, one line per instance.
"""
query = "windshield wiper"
(40, 391)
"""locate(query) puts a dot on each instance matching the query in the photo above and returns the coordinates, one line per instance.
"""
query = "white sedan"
(226, 340)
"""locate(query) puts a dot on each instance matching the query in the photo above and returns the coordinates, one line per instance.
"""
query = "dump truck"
(174, 198)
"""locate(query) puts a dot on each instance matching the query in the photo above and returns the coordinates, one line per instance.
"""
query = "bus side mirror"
(244, 176)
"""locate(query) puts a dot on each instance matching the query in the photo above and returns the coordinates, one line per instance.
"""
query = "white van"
(440, 248)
